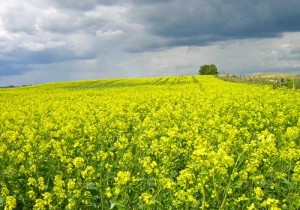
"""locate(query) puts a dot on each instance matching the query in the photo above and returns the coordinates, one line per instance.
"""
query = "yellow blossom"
(123, 177)
(78, 162)
(147, 198)
(10, 203)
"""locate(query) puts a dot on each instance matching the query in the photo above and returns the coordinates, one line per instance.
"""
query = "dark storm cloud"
(19, 60)
(46, 32)
(152, 45)
(8, 68)
(200, 22)
(49, 56)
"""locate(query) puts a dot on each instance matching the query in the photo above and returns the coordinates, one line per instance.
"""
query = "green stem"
(203, 192)
(229, 181)
(101, 188)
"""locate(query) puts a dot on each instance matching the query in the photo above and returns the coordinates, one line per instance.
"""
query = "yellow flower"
(71, 204)
(31, 194)
(251, 207)
(167, 183)
(229, 192)
(41, 184)
(22, 169)
(101, 155)
(88, 173)
(31, 181)
(4, 190)
(71, 184)
(186, 178)
(117, 191)
(122, 178)
(70, 168)
(108, 166)
(59, 186)
(78, 162)
(271, 202)
(108, 192)
(259, 193)
(39, 204)
(32, 168)
(190, 142)
(77, 193)
(47, 198)
(148, 164)
(147, 198)
(10, 203)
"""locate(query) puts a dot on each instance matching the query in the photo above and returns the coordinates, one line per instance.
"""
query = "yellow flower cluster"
(147, 198)
(185, 142)
(122, 178)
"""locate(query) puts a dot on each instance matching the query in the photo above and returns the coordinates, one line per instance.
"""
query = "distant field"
(277, 75)
(276, 80)
(185, 142)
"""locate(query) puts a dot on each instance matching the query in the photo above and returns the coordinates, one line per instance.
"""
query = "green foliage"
(208, 69)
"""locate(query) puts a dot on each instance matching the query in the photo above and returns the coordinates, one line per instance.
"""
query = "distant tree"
(208, 69)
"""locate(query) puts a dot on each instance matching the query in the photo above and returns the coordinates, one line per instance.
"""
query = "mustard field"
(189, 142)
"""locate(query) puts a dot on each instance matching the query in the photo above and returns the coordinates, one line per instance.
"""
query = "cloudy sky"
(57, 40)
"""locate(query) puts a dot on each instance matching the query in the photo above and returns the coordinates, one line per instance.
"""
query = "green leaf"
(1, 201)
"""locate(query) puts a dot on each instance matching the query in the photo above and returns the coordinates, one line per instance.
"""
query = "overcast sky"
(57, 40)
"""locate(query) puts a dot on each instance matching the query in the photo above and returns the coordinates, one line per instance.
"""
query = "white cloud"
(109, 33)
(32, 46)
(35, 46)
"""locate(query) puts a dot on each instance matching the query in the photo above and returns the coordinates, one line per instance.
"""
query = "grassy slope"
(276, 75)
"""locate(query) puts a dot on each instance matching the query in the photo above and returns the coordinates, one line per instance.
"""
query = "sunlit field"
(189, 142)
